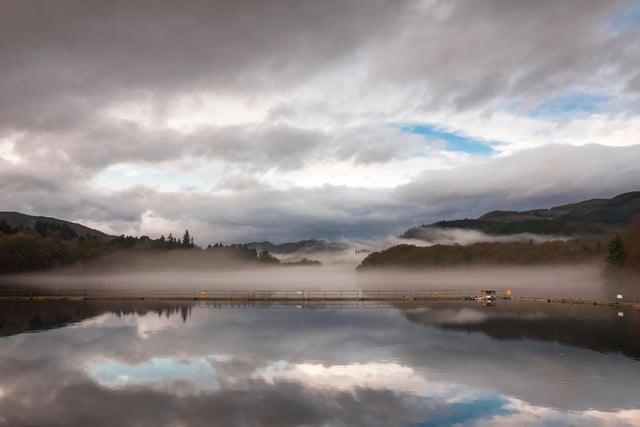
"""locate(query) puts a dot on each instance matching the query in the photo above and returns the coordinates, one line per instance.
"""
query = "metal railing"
(442, 293)
(330, 295)
(368, 295)
(289, 296)
(233, 294)
(278, 295)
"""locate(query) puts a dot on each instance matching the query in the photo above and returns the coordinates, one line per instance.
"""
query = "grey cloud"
(238, 182)
(124, 142)
(630, 54)
(381, 145)
(540, 177)
(473, 53)
(64, 66)
(536, 178)
(14, 183)
(259, 147)
(251, 403)
(89, 53)
(251, 147)
(98, 145)
(286, 147)
(264, 213)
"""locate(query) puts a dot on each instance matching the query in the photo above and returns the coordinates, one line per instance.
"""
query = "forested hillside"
(618, 253)
(590, 218)
(48, 245)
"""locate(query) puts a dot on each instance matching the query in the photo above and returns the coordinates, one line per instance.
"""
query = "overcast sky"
(283, 120)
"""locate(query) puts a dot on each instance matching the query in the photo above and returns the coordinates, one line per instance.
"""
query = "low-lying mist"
(451, 236)
(196, 270)
(574, 282)
(570, 281)
(354, 251)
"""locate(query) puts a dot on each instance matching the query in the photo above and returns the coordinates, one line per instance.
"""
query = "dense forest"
(48, 245)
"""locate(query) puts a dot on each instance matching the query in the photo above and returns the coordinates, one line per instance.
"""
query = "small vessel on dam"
(486, 297)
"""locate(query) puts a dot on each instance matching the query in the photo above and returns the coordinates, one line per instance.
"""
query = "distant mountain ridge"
(595, 217)
(589, 218)
(16, 219)
(305, 246)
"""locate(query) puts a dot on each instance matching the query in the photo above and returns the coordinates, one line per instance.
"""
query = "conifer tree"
(616, 253)
(186, 239)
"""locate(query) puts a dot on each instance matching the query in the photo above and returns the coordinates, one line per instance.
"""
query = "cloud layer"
(244, 120)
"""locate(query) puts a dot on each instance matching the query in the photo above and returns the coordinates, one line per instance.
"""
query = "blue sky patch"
(114, 373)
(628, 17)
(453, 141)
(571, 104)
(463, 412)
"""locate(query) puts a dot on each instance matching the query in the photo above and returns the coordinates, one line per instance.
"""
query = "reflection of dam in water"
(298, 296)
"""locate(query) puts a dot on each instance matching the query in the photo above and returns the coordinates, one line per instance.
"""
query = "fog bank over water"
(197, 270)
(355, 250)
(575, 281)
(427, 236)
(582, 281)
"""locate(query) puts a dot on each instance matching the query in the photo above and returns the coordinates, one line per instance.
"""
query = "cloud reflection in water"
(437, 365)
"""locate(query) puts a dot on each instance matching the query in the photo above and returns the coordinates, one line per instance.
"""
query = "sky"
(248, 120)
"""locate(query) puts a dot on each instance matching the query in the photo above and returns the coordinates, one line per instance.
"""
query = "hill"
(486, 254)
(589, 218)
(302, 246)
(20, 220)
(35, 243)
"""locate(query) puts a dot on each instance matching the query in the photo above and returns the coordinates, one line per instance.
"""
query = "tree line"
(621, 253)
(623, 250)
(486, 253)
(47, 245)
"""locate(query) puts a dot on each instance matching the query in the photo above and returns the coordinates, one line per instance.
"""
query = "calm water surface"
(163, 364)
